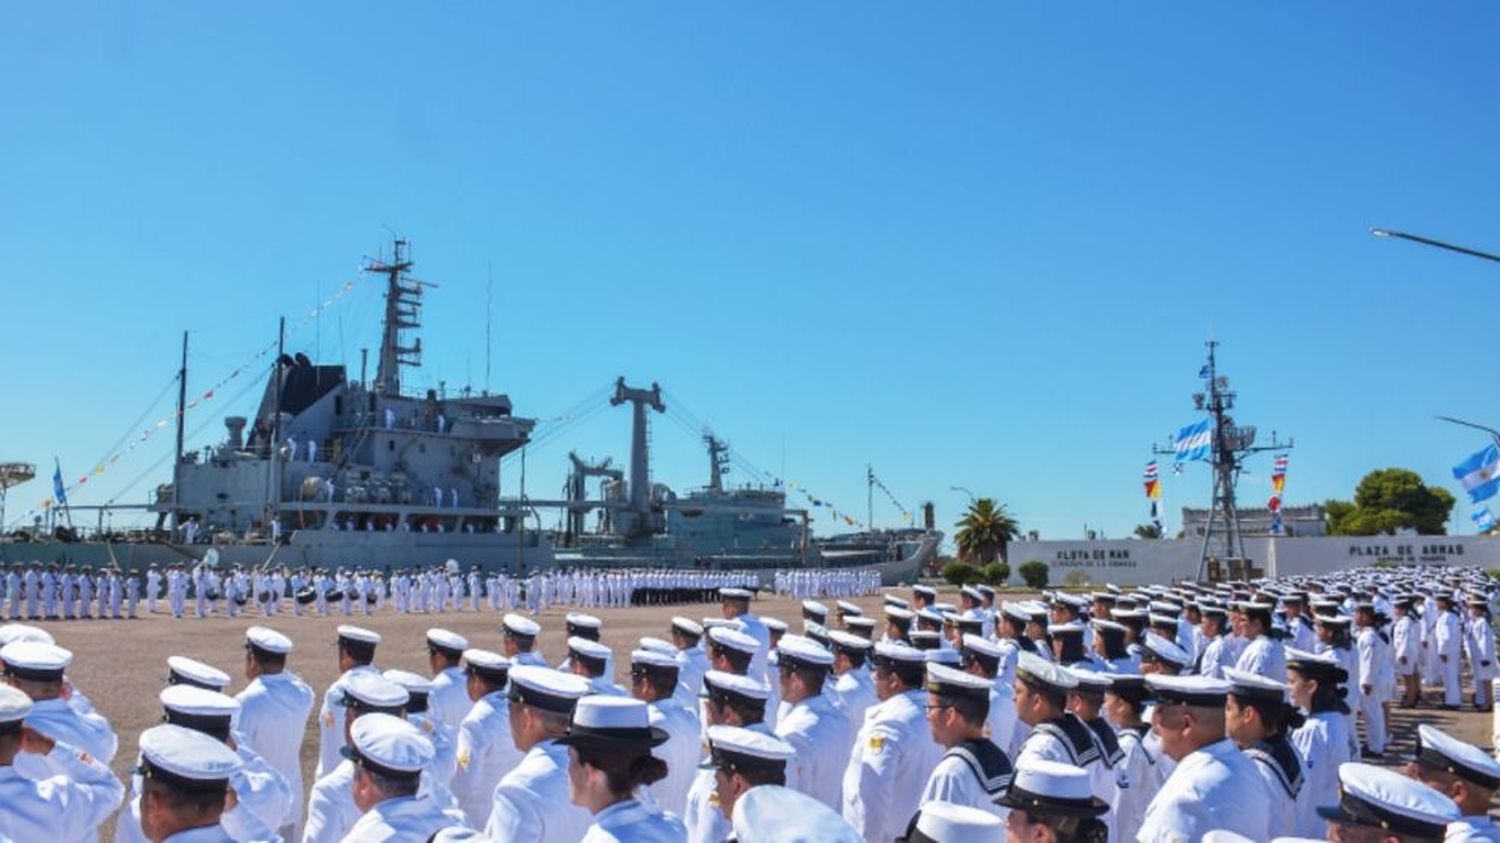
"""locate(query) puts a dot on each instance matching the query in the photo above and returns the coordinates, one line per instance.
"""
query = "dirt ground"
(121, 665)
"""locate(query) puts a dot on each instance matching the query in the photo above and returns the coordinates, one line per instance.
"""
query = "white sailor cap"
(773, 814)
(1072, 601)
(578, 620)
(587, 648)
(734, 594)
(389, 746)
(1052, 788)
(1035, 670)
(774, 624)
(925, 639)
(373, 692)
(547, 689)
(14, 707)
(801, 650)
(733, 640)
(946, 681)
(35, 661)
(724, 623)
(186, 759)
(652, 660)
(1247, 685)
(608, 721)
(892, 600)
(847, 641)
(1015, 611)
(348, 632)
(849, 608)
(24, 632)
(414, 683)
(930, 614)
(813, 607)
(1069, 628)
(1109, 627)
(447, 640)
(1316, 665)
(897, 613)
(657, 645)
(924, 590)
(948, 822)
(942, 656)
(1194, 691)
(182, 670)
(267, 640)
(735, 747)
(816, 631)
(197, 702)
(1375, 797)
(1158, 647)
(981, 646)
(687, 625)
(1090, 681)
(717, 683)
(892, 652)
(486, 661)
(859, 622)
(972, 593)
(1439, 750)
(519, 626)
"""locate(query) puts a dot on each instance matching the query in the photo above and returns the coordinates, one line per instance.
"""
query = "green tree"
(1387, 500)
(1148, 531)
(984, 531)
(960, 573)
(995, 573)
(1034, 573)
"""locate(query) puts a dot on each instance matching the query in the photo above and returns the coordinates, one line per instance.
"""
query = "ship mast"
(403, 311)
(718, 461)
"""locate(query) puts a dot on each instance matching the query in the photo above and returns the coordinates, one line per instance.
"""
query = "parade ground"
(121, 665)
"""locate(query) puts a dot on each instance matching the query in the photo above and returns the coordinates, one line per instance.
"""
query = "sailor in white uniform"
(485, 749)
(853, 688)
(973, 771)
(1124, 703)
(1314, 682)
(520, 640)
(419, 714)
(1379, 804)
(450, 696)
(1464, 773)
(1263, 656)
(653, 680)
(729, 700)
(389, 756)
(589, 661)
(273, 714)
(610, 759)
(894, 753)
(1207, 789)
(1258, 717)
(36, 669)
(356, 654)
(692, 661)
(816, 727)
(185, 785)
(66, 807)
(531, 802)
(740, 760)
(1054, 796)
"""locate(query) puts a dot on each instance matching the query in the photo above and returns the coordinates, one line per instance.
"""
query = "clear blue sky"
(974, 244)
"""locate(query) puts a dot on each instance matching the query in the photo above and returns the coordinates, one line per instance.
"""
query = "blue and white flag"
(1194, 442)
(59, 489)
(1483, 520)
(1478, 474)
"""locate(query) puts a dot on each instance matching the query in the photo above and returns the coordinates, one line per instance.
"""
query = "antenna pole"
(181, 420)
(489, 312)
(273, 487)
(869, 497)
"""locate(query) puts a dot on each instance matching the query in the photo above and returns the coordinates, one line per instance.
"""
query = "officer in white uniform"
(450, 696)
(1462, 772)
(984, 658)
(894, 752)
(1380, 804)
(177, 765)
(485, 749)
(273, 714)
(389, 756)
(1207, 790)
(692, 661)
(814, 726)
(36, 668)
(356, 654)
(610, 733)
(419, 714)
(741, 760)
(590, 660)
(730, 700)
(1257, 719)
(64, 808)
(853, 689)
(653, 680)
(262, 795)
(974, 771)
(520, 640)
(531, 802)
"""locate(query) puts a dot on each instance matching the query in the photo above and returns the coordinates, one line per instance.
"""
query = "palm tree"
(984, 531)
(1148, 531)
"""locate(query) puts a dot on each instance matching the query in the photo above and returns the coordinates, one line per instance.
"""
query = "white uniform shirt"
(1263, 657)
(631, 822)
(1406, 645)
(64, 808)
(893, 757)
(1141, 781)
(449, 699)
(331, 715)
(331, 812)
(261, 792)
(1471, 830)
(1325, 743)
(1208, 790)
(854, 692)
(1217, 655)
(485, 753)
(953, 780)
(1001, 721)
(681, 752)
(60, 721)
(272, 721)
(821, 734)
(531, 802)
(403, 818)
(1479, 645)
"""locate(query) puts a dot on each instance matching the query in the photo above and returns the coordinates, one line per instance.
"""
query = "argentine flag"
(1483, 520)
(1478, 474)
(1194, 442)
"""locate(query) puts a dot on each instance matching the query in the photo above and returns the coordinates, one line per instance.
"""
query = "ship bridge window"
(338, 405)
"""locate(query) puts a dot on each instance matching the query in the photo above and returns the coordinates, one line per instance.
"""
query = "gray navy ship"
(333, 472)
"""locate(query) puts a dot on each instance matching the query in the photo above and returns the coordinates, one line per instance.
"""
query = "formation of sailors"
(1159, 714)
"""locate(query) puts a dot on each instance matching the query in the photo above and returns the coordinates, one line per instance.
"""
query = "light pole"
(1428, 241)
(965, 491)
(1494, 434)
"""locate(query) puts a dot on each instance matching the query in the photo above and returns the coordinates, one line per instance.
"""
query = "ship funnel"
(236, 427)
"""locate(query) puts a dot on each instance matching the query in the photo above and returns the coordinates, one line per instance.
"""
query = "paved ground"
(121, 665)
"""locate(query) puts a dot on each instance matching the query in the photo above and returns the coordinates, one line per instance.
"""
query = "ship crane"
(578, 490)
(640, 452)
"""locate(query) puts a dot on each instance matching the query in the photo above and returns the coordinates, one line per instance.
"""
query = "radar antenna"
(403, 312)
